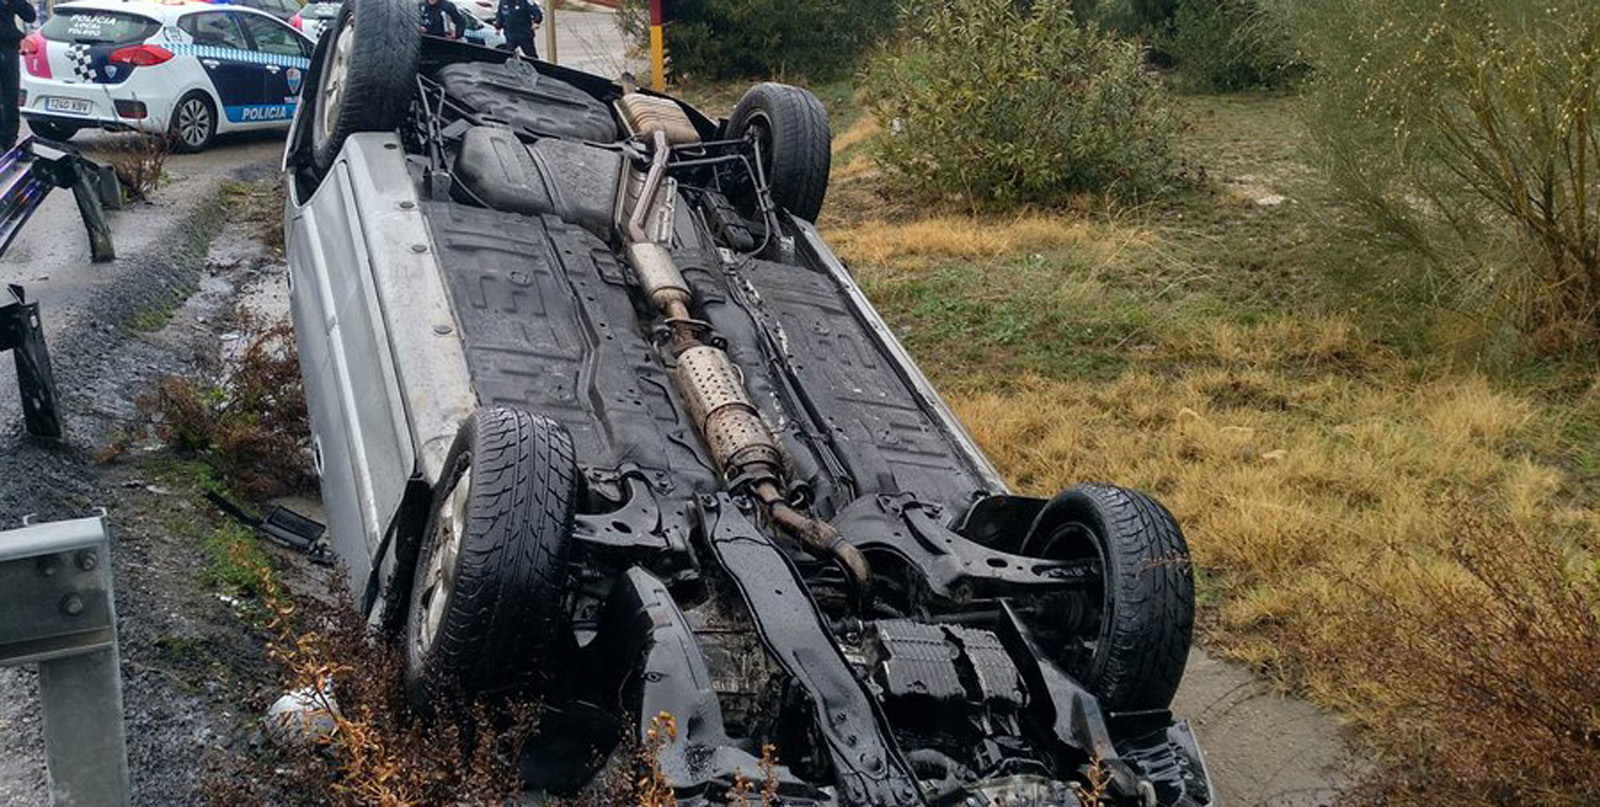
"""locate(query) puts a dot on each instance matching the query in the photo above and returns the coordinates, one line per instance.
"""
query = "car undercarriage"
(659, 459)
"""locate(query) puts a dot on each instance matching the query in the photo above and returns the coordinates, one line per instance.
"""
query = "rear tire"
(51, 130)
(369, 76)
(797, 145)
(486, 612)
(1133, 654)
(194, 123)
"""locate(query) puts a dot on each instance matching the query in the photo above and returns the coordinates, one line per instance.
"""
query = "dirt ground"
(195, 679)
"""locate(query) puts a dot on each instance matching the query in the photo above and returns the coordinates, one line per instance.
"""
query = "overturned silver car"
(601, 420)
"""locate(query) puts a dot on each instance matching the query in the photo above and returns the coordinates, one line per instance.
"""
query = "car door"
(285, 55)
(223, 51)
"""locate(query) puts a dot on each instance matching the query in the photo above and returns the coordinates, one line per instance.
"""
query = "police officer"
(11, 66)
(518, 18)
(434, 13)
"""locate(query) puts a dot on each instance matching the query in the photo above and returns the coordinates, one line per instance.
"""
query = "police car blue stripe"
(237, 55)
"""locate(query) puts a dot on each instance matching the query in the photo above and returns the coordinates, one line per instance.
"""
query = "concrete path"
(1263, 749)
(590, 41)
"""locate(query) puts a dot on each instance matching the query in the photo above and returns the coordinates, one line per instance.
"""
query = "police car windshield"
(95, 27)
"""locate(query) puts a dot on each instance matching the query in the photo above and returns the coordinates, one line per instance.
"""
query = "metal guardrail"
(57, 611)
(28, 172)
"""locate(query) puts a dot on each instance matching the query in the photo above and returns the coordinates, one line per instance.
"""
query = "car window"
(215, 28)
(272, 36)
(97, 27)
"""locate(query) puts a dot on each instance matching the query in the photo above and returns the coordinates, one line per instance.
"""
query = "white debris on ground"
(302, 717)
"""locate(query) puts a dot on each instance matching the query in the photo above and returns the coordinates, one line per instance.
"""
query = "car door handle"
(273, 69)
(210, 62)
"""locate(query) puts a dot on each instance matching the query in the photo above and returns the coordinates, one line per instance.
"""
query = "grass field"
(1370, 484)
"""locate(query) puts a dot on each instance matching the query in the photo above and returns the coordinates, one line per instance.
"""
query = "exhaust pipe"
(713, 393)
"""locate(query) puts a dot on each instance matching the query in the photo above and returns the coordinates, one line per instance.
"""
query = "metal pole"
(550, 31)
(83, 733)
(658, 61)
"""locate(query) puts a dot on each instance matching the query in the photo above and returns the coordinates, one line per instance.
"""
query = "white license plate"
(75, 106)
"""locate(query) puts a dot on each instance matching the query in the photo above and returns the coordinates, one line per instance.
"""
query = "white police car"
(185, 68)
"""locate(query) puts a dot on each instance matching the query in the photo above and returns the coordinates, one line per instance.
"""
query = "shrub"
(1229, 45)
(140, 163)
(987, 102)
(247, 420)
(762, 38)
(1469, 132)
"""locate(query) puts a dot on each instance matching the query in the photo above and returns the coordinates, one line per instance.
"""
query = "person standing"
(518, 19)
(11, 66)
(434, 13)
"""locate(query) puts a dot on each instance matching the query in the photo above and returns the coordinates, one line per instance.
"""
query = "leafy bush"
(1470, 132)
(1229, 45)
(987, 102)
(762, 38)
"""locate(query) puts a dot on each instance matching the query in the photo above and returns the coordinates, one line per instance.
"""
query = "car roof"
(166, 11)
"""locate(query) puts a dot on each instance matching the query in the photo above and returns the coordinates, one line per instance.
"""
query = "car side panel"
(430, 363)
(311, 305)
(363, 295)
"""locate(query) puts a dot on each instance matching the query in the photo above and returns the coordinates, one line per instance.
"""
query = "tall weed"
(1469, 133)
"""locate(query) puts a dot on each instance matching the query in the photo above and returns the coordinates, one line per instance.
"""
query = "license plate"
(75, 106)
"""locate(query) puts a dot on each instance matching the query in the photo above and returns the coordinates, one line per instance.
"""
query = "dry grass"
(1379, 521)
(919, 243)
(379, 753)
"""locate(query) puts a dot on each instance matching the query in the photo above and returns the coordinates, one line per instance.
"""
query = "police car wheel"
(194, 123)
(367, 77)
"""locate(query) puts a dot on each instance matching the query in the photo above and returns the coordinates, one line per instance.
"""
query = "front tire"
(791, 126)
(486, 612)
(194, 123)
(1132, 649)
(369, 77)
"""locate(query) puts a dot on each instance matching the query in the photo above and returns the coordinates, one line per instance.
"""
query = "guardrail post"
(86, 190)
(23, 335)
(57, 611)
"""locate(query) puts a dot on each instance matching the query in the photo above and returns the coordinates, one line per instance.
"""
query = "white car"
(192, 70)
(483, 10)
(477, 31)
(315, 17)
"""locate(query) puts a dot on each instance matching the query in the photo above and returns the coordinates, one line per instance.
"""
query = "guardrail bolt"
(48, 565)
(87, 560)
(72, 605)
